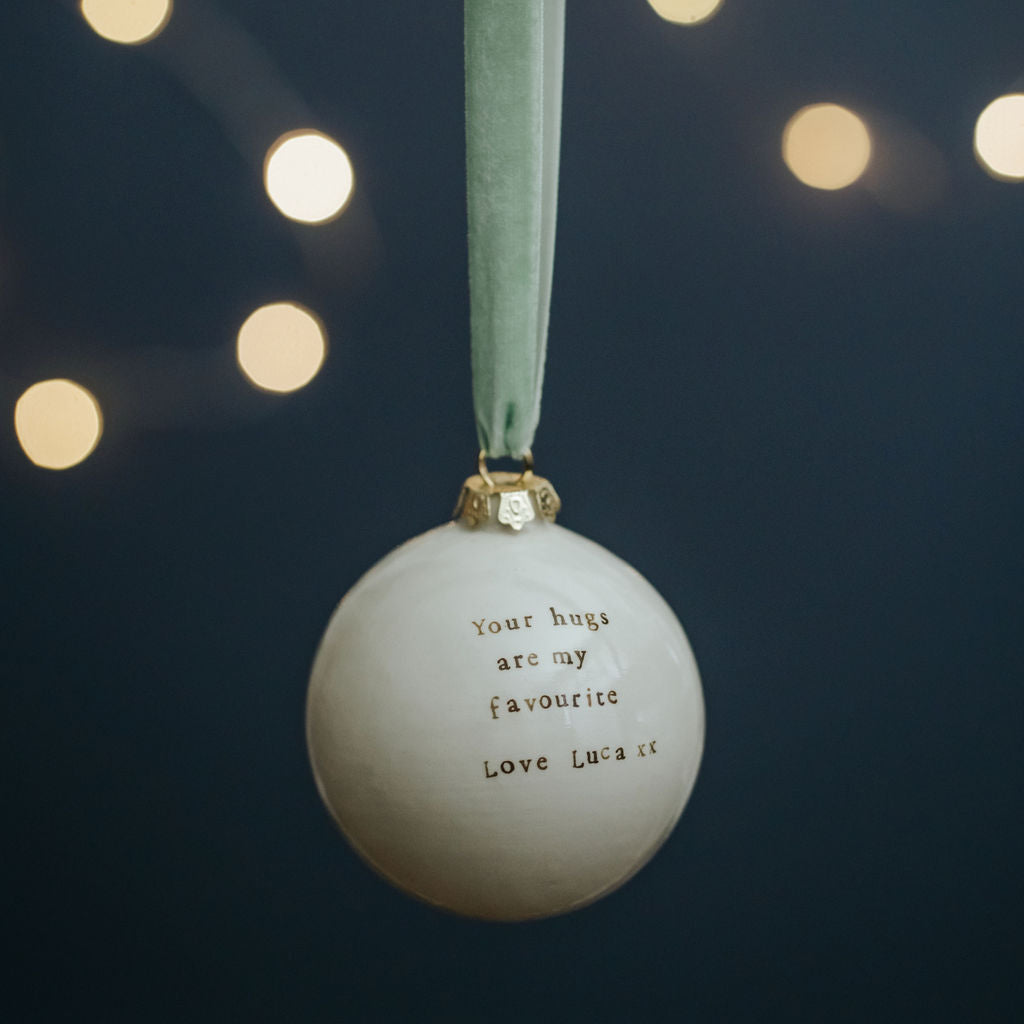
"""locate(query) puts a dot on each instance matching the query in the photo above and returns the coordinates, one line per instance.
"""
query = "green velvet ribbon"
(514, 54)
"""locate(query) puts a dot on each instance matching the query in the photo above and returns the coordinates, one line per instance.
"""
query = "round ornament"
(505, 719)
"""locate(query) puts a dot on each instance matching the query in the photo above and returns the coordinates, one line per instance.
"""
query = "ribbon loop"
(514, 56)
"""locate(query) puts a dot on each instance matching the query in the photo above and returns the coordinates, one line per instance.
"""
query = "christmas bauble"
(504, 718)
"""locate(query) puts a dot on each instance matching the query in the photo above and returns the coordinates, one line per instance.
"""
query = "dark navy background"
(799, 413)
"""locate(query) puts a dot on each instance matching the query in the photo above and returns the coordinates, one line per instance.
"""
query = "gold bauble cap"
(510, 499)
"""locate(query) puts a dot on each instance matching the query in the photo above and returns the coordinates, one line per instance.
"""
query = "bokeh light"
(685, 12)
(308, 176)
(826, 146)
(999, 138)
(281, 346)
(58, 423)
(127, 21)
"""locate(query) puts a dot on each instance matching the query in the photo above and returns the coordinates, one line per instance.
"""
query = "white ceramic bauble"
(505, 723)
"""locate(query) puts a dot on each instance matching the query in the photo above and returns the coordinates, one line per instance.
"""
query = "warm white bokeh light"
(308, 176)
(58, 423)
(127, 21)
(685, 12)
(999, 138)
(826, 146)
(281, 346)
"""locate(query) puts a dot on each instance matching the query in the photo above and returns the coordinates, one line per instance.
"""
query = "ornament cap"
(509, 499)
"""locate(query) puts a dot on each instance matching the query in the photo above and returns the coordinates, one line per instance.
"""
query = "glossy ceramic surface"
(505, 725)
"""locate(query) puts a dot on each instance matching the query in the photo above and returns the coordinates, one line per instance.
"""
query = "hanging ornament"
(504, 718)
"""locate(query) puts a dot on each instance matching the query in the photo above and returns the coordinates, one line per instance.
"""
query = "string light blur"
(826, 146)
(281, 347)
(127, 21)
(999, 138)
(58, 423)
(685, 12)
(308, 176)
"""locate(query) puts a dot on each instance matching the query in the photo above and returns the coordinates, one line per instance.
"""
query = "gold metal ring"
(481, 465)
